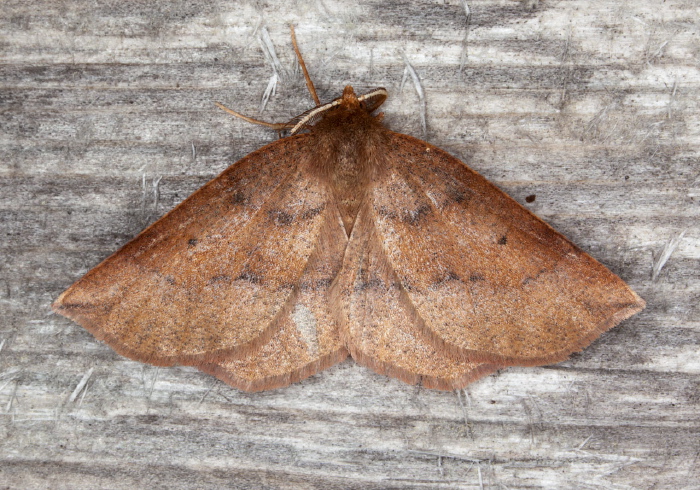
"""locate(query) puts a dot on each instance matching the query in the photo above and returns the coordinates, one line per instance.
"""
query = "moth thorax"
(350, 177)
(350, 143)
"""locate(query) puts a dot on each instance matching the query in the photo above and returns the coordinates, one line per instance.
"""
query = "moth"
(348, 238)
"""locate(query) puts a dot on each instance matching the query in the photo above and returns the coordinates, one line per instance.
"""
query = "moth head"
(368, 102)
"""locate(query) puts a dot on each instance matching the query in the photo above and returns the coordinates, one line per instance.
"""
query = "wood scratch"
(531, 416)
(81, 384)
(154, 190)
(268, 50)
(581, 446)
(156, 193)
(672, 99)
(419, 90)
(144, 193)
(153, 383)
(464, 56)
(9, 408)
(443, 455)
(465, 411)
(269, 91)
(567, 68)
(593, 126)
(693, 464)
(201, 400)
(665, 254)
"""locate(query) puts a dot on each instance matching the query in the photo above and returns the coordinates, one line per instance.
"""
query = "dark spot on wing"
(192, 242)
(454, 190)
(238, 198)
(281, 218)
(371, 284)
(476, 277)
(503, 240)
(414, 217)
(248, 276)
(220, 278)
(386, 212)
(362, 283)
(457, 196)
(310, 213)
(453, 276)
(530, 279)
(170, 280)
(319, 285)
(531, 198)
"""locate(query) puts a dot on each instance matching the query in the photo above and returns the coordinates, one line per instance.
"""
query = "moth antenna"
(290, 124)
(277, 126)
(309, 83)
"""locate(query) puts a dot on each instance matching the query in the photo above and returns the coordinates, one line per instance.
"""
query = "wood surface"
(108, 121)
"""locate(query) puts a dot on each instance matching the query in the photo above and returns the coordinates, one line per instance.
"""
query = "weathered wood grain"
(108, 121)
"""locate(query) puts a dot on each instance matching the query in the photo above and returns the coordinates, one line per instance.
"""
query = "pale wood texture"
(108, 121)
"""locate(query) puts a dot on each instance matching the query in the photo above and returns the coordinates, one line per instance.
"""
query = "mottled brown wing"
(486, 278)
(379, 325)
(216, 276)
(306, 340)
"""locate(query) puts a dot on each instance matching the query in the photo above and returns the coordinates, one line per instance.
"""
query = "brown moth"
(348, 238)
